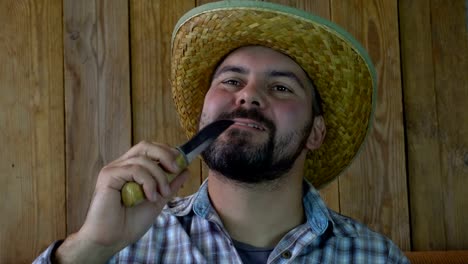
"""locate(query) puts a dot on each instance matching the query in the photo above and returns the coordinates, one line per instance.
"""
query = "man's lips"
(249, 123)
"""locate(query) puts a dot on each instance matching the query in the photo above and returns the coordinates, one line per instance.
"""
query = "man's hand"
(109, 225)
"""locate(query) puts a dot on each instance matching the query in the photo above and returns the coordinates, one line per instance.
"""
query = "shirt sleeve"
(48, 254)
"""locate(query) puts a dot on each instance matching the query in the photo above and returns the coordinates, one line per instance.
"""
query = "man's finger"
(116, 177)
(155, 171)
(178, 181)
(161, 153)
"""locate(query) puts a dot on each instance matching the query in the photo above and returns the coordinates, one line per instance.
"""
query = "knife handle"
(132, 192)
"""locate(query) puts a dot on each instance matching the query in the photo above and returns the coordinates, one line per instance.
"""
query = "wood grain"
(202, 2)
(154, 116)
(97, 93)
(422, 128)
(435, 63)
(374, 190)
(32, 186)
(450, 58)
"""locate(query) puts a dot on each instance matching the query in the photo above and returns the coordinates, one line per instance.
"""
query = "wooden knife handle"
(132, 193)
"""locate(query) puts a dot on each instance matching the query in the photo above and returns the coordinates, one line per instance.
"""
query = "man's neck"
(258, 215)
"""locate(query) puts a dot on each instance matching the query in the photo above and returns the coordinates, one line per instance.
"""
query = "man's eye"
(281, 88)
(231, 82)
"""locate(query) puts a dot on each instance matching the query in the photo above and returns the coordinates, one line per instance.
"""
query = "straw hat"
(339, 66)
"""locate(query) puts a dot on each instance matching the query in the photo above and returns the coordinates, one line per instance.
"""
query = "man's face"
(269, 97)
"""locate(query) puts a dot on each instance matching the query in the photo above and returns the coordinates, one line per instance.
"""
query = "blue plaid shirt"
(190, 231)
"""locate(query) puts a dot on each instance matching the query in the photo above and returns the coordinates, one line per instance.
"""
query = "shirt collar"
(198, 202)
(202, 204)
(317, 214)
(315, 209)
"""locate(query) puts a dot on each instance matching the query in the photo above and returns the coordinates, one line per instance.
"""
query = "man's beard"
(240, 161)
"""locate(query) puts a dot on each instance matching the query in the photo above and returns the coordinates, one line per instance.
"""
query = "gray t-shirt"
(250, 254)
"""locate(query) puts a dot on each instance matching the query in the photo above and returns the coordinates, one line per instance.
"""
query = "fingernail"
(167, 190)
(154, 196)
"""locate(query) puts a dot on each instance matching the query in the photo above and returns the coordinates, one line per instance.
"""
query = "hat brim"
(339, 66)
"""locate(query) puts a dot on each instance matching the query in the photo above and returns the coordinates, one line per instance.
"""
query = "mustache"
(253, 114)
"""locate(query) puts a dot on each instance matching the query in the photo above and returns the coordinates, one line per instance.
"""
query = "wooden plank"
(425, 176)
(97, 93)
(450, 59)
(154, 116)
(435, 61)
(202, 2)
(32, 185)
(373, 189)
(317, 7)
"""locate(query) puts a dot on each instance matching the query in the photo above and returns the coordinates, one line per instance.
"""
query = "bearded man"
(266, 68)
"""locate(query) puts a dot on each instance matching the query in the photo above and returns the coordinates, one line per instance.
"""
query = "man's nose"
(251, 96)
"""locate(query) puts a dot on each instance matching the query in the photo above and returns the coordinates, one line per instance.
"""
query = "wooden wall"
(82, 81)
(434, 48)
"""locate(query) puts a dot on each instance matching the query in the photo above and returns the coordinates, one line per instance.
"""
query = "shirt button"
(286, 254)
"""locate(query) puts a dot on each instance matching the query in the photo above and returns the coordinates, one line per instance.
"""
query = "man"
(262, 66)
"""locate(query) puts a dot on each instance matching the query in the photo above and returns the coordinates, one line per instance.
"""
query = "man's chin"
(247, 178)
(235, 157)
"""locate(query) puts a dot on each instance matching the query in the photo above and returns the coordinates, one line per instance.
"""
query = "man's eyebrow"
(230, 68)
(272, 73)
(287, 74)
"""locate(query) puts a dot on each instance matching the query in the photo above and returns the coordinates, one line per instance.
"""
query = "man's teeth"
(251, 125)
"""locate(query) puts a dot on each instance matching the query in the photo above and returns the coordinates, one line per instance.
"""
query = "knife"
(132, 193)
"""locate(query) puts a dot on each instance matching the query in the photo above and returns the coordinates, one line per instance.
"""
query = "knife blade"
(203, 139)
(132, 193)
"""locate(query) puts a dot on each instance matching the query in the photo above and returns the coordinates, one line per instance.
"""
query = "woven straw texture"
(337, 68)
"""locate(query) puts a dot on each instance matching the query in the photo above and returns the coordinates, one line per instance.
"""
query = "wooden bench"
(430, 257)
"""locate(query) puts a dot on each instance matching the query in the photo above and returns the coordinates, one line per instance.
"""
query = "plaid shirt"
(190, 231)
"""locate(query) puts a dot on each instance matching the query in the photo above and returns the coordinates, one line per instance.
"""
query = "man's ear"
(317, 133)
